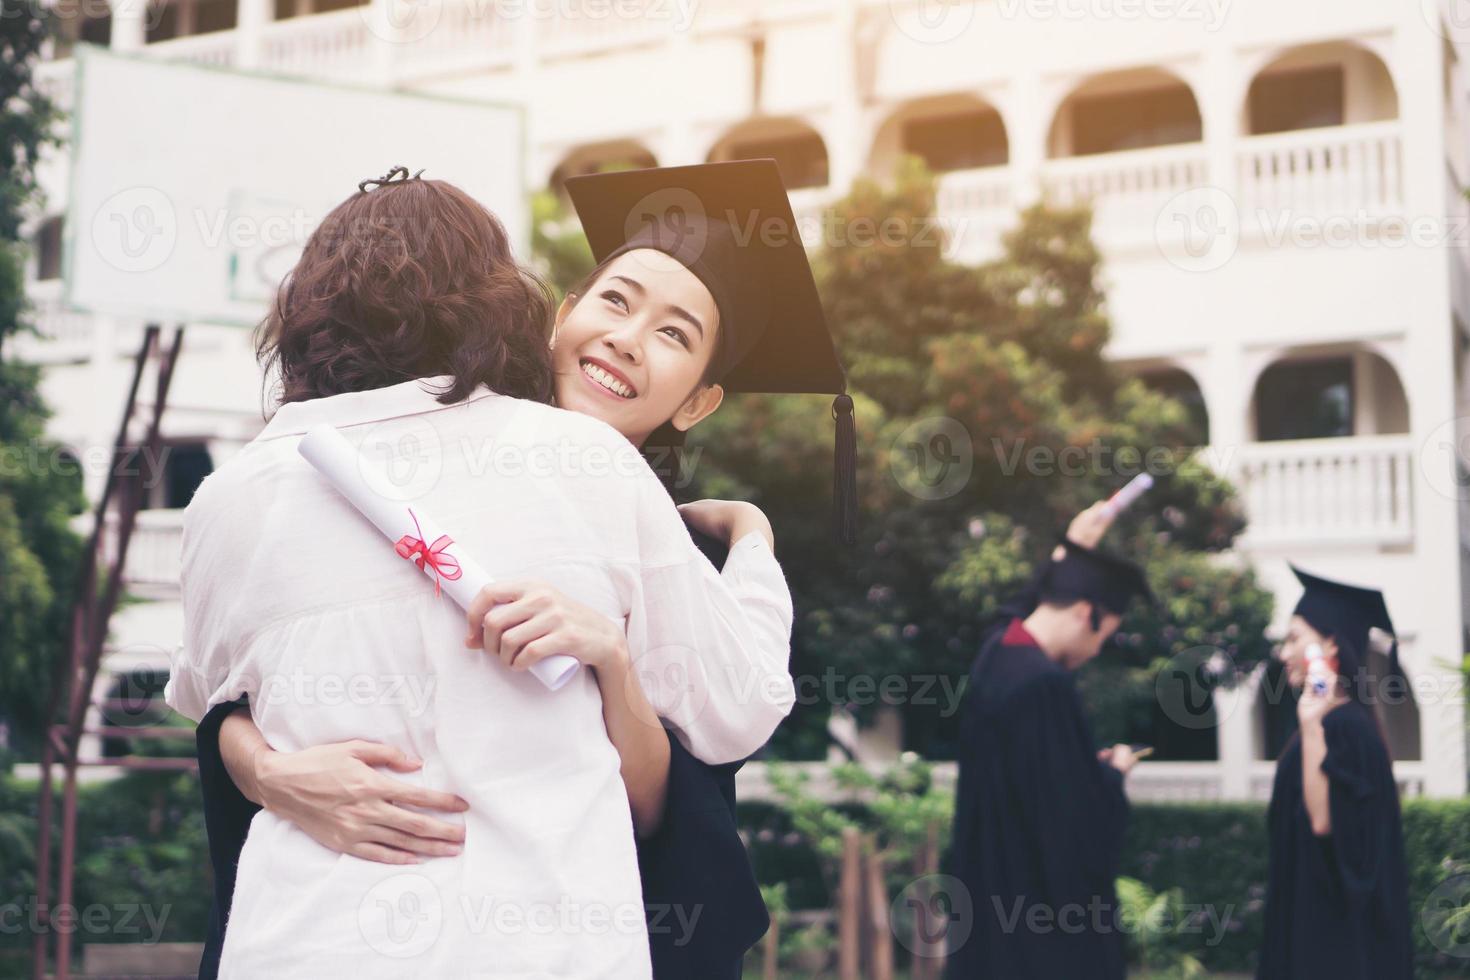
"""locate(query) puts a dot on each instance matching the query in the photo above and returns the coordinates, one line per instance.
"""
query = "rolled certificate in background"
(416, 535)
(1131, 491)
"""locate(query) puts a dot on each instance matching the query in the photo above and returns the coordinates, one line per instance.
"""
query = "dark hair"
(411, 279)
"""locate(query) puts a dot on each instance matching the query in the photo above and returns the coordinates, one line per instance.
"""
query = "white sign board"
(193, 189)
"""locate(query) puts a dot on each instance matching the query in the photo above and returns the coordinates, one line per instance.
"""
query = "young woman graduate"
(1039, 811)
(1337, 895)
(622, 344)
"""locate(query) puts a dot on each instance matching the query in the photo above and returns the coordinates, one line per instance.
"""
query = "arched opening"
(171, 479)
(48, 248)
(169, 19)
(1125, 110)
(79, 21)
(797, 148)
(1327, 396)
(1332, 84)
(951, 132)
(597, 158)
(1180, 385)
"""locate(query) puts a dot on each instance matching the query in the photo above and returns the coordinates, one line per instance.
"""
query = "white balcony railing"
(154, 550)
(1150, 782)
(975, 207)
(468, 36)
(1127, 190)
(1329, 171)
(54, 322)
(333, 45)
(216, 48)
(588, 25)
(1347, 491)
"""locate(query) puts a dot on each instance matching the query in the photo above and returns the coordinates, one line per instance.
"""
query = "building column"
(1026, 134)
(1428, 359)
(1227, 387)
(1217, 88)
(527, 66)
(1235, 739)
(129, 25)
(844, 136)
(251, 16)
(675, 147)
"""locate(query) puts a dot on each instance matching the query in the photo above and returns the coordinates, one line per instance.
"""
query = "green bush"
(1213, 855)
(141, 842)
(142, 862)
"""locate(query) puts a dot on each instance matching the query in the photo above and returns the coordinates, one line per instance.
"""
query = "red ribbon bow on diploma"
(414, 549)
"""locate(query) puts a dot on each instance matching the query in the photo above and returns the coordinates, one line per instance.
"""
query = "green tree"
(38, 492)
(559, 248)
(987, 415)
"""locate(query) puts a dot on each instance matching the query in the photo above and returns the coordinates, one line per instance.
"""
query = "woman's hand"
(333, 793)
(523, 622)
(1121, 757)
(1087, 528)
(1312, 707)
(727, 520)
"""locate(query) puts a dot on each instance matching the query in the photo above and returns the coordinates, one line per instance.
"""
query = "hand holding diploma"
(1088, 527)
(413, 533)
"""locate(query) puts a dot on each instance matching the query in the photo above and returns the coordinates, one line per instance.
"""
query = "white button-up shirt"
(292, 597)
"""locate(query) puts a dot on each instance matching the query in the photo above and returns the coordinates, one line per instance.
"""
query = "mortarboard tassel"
(844, 470)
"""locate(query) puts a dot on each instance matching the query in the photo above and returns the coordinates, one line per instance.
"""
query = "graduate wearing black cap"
(731, 225)
(1337, 895)
(1040, 812)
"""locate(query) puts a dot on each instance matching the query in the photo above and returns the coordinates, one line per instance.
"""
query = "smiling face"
(633, 348)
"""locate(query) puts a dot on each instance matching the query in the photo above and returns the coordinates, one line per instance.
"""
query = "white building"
(1326, 350)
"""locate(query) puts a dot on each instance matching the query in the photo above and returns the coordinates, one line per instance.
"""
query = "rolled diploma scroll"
(1131, 491)
(336, 459)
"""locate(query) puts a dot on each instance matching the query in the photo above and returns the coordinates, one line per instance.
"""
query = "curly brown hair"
(408, 280)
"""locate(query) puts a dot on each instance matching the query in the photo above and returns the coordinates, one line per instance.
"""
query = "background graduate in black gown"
(704, 905)
(1040, 811)
(1337, 896)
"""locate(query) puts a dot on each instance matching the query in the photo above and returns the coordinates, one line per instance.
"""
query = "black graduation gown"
(1039, 825)
(1337, 906)
(704, 908)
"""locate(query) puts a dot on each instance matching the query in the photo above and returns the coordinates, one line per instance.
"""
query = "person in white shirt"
(292, 599)
(633, 307)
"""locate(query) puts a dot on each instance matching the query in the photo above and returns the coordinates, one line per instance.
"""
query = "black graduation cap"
(1346, 612)
(731, 225)
(1096, 576)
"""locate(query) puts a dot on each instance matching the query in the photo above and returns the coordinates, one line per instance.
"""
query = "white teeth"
(605, 379)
